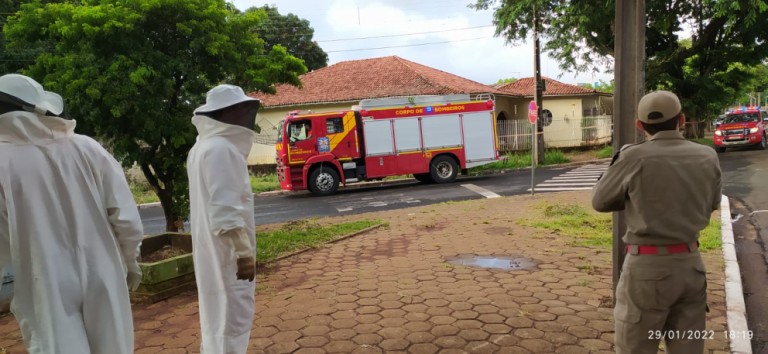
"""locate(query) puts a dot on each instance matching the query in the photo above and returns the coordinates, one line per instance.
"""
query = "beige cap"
(658, 107)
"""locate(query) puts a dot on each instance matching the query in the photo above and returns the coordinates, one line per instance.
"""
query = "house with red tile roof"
(343, 85)
(572, 115)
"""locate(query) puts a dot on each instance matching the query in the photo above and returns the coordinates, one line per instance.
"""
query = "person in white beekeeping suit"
(222, 220)
(68, 225)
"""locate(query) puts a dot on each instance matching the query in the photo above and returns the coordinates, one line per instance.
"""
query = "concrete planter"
(166, 277)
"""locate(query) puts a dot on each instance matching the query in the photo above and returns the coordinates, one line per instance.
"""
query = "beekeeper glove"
(134, 275)
(246, 262)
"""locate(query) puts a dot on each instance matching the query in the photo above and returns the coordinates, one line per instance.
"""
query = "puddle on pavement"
(495, 262)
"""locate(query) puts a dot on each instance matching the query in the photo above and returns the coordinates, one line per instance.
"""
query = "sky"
(443, 34)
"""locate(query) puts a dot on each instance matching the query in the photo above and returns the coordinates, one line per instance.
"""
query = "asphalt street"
(281, 207)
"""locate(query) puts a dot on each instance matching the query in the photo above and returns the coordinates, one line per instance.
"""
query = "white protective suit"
(67, 222)
(220, 201)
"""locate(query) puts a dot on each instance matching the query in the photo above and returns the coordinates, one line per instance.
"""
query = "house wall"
(569, 128)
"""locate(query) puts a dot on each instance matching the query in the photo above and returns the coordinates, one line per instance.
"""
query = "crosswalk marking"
(480, 190)
(579, 179)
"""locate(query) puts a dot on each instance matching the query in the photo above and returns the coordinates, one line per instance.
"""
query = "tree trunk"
(173, 222)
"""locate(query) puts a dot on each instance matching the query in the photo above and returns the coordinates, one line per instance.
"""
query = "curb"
(148, 205)
(736, 317)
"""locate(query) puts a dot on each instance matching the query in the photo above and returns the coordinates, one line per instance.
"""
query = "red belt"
(679, 248)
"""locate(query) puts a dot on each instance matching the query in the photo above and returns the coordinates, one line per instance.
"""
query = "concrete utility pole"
(538, 90)
(629, 75)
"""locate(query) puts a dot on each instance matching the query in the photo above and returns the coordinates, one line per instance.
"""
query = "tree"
(294, 34)
(508, 80)
(579, 34)
(602, 86)
(14, 60)
(756, 90)
(132, 72)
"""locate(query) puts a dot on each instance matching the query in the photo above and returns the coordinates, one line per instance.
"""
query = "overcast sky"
(443, 34)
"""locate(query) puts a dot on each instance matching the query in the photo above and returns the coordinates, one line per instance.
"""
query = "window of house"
(334, 125)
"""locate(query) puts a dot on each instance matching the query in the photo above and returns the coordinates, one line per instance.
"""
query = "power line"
(402, 35)
(405, 45)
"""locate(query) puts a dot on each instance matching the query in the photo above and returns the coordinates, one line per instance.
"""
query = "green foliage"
(132, 73)
(301, 234)
(602, 86)
(505, 81)
(293, 33)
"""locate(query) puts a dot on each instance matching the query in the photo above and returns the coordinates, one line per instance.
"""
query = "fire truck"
(432, 138)
(742, 127)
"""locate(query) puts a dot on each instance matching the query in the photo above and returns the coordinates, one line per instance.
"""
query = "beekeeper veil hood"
(228, 104)
(28, 95)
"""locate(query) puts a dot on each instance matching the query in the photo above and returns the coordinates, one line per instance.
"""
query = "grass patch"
(142, 192)
(590, 228)
(264, 183)
(711, 237)
(605, 152)
(297, 235)
(522, 159)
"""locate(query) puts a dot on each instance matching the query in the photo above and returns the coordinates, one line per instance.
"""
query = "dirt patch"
(164, 253)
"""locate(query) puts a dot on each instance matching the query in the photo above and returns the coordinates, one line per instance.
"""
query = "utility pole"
(629, 53)
(538, 90)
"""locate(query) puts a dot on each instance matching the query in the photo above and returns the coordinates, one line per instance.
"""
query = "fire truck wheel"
(423, 177)
(324, 181)
(443, 169)
(763, 143)
(720, 149)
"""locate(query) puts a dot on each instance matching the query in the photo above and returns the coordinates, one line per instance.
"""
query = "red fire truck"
(430, 137)
(742, 127)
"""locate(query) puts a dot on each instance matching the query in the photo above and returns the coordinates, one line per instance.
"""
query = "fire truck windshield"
(742, 118)
(280, 131)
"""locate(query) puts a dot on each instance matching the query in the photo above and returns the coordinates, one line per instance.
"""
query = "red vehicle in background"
(431, 137)
(742, 127)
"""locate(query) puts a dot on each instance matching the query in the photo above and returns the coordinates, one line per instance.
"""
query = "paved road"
(300, 205)
(745, 175)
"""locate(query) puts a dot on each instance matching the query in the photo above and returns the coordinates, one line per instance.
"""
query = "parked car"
(743, 127)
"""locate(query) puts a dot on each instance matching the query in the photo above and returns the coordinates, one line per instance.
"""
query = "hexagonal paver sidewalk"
(392, 290)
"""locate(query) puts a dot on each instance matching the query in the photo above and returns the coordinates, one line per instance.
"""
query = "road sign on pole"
(533, 112)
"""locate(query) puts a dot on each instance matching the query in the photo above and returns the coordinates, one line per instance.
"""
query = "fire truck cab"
(743, 127)
(431, 137)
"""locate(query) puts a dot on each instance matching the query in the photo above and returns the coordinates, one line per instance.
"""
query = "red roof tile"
(371, 78)
(524, 87)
